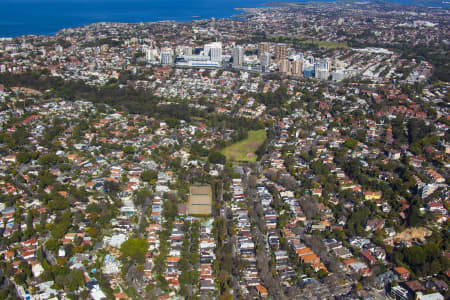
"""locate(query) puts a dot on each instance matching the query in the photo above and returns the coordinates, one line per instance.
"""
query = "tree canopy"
(135, 249)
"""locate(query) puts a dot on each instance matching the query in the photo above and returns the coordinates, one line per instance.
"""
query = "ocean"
(21, 17)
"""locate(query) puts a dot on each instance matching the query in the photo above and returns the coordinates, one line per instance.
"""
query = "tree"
(52, 245)
(216, 157)
(135, 249)
(111, 187)
(322, 273)
(310, 206)
(74, 280)
(26, 268)
(61, 226)
(414, 218)
(417, 130)
(93, 232)
(149, 175)
(20, 278)
(198, 149)
(435, 267)
(283, 220)
(415, 256)
(58, 202)
(45, 179)
(351, 143)
(26, 157)
(128, 149)
(141, 196)
(48, 160)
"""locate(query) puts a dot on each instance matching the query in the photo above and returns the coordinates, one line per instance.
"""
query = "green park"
(245, 150)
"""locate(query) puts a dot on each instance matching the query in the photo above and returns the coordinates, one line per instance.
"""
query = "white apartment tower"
(214, 51)
(265, 61)
(166, 56)
(238, 56)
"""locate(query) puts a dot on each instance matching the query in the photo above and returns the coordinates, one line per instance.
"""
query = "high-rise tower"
(280, 52)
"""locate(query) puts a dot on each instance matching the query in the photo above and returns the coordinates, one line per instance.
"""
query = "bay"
(21, 17)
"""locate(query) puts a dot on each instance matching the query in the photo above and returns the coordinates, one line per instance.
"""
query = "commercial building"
(151, 54)
(200, 61)
(321, 70)
(280, 51)
(297, 67)
(285, 66)
(263, 48)
(265, 61)
(238, 56)
(184, 50)
(166, 57)
(308, 73)
(214, 51)
(338, 75)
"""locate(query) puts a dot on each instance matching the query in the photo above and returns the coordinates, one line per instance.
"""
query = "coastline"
(38, 26)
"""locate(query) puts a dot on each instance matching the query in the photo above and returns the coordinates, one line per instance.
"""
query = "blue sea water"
(20, 17)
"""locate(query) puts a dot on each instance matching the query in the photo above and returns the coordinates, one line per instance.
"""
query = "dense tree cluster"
(424, 260)
(134, 249)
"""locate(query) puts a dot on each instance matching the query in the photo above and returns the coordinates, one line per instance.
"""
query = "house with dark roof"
(414, 287)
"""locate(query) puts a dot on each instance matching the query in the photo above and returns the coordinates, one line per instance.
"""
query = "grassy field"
(245, 149)
(327, 44)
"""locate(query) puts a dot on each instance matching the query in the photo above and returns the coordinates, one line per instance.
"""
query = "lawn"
(328, 44)
(245, 150)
